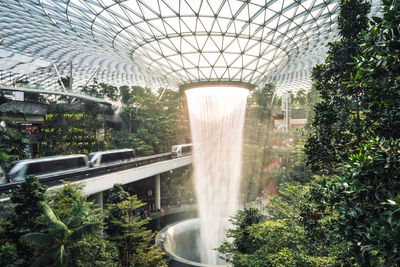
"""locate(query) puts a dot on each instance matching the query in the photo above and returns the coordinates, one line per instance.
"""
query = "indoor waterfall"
(216, 119)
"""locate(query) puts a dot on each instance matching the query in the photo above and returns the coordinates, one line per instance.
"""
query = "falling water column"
(216, 119)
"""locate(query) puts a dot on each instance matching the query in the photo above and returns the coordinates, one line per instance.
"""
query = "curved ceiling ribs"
(158, 42)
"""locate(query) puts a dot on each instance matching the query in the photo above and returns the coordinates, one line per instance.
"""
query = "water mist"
(216, 119)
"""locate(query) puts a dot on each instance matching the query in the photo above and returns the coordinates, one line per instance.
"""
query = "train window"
(119, 156)
(34, 168)
(127, 155)
(81, 162)
(55, 165)
(107, 158)
(186, 149)
(74, 163)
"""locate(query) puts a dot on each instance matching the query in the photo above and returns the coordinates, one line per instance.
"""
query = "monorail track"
(85, 173)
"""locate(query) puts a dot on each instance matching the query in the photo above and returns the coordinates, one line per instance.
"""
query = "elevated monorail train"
(181, 150)
(45, 166)
(110, 156)
(68, 164)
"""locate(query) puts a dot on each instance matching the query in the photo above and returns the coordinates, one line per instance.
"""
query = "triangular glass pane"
(166, 49)
(188, 43)
(202, 75)
(172, 25)
(205, 9)
(233, 47)
(201, 40)
(170, 4)
(215, 5)
(206, 23)
(246, 74)
(220, 62)
(273, 23)
(220, 72)
(253, 50)
(225, 11)
(157, 25)
(259, 19)
(235, 6)
(210, 46)
(238, 63)
(231, 58)
(252, 65)
(207, 72)
(217, 40)
(190, 23)
(227, 41)
(223, 24)
(242, 43)
(175, 61)
(186, 9)
(203, 62)
(175, 43)
(243, 14)
(192, 58)
(147, 12)
(211, 57)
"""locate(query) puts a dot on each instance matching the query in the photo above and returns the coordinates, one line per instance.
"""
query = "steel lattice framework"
(158, 43)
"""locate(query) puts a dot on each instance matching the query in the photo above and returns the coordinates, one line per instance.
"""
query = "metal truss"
(159, 43)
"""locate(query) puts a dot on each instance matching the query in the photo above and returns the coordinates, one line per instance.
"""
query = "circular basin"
(181, 242)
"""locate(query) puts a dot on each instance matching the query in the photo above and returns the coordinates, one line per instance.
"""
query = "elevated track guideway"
(102, 178)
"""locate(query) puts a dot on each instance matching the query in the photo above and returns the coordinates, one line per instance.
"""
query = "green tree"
(274, 243)
(54, 243)
(117, 194)
(337, 127)
(242, 242)
(364, 194)
(109, 91)
(366, 198)
(26, 198)
(9, 256)
(377, 71)
(91, 250)
(69, 133)
(126, 230)
(12, 143)
(148, 125)
(62, 199)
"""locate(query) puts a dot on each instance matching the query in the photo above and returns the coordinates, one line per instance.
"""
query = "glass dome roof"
(171, 43)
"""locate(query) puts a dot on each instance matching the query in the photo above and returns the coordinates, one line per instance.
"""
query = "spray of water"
(216, 119)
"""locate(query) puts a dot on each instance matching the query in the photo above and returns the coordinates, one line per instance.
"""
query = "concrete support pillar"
(99, 200)
(158, 192)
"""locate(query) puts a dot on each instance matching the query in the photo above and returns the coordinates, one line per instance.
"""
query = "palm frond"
(76, 214)
(60, 256)
(38, 240)
(58, 229)
(47, 258)
(83, 231)
(48, 212)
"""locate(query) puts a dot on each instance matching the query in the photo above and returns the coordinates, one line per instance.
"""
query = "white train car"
(181, 150)
(46, 166)
(110, 156)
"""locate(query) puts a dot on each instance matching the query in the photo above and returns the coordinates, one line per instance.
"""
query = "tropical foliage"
(337, 125)
(54, 242)
(70, 134)
(125, 229)
(347, 215)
